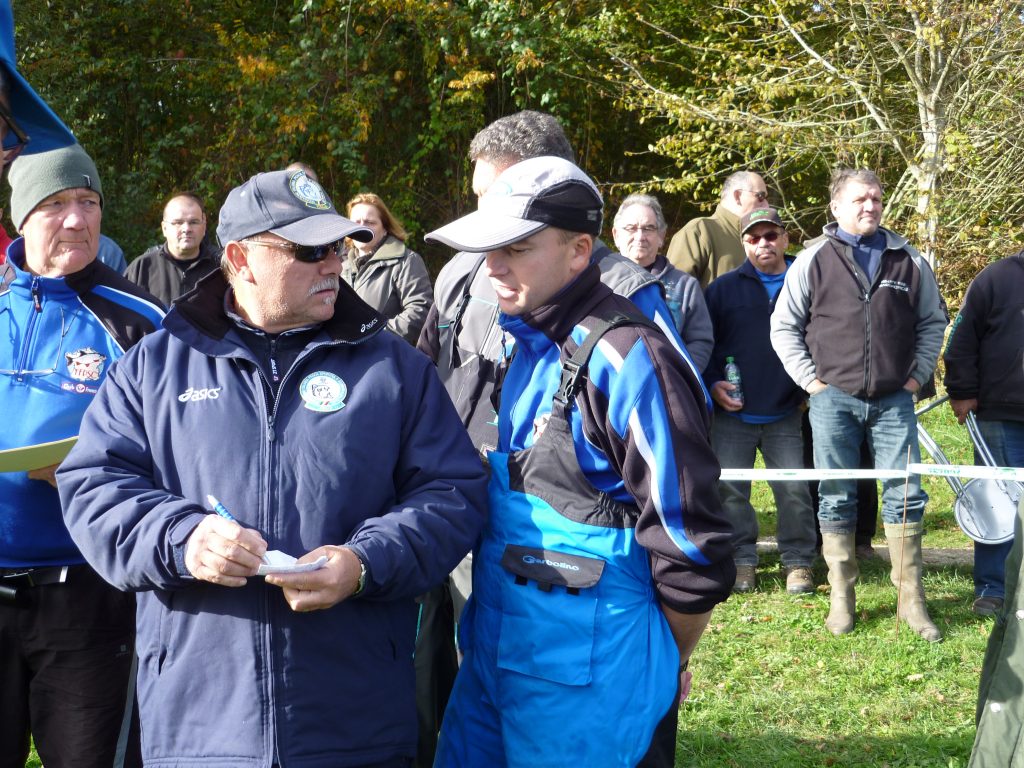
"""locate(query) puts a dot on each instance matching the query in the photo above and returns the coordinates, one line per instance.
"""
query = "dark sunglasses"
(310, 254)
(11, 126)
(769, 237)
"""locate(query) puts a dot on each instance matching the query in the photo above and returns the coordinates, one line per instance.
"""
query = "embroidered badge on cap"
(308, 191)
(323, 392)
(85, 364)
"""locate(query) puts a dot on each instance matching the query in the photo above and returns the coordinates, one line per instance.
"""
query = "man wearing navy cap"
(768, 418)
(606, 548)
(278, 393)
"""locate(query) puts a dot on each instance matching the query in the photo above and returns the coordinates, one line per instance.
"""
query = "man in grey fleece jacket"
(859, 325)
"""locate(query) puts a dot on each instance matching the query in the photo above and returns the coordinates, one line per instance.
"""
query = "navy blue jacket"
(232, 678)
(740, 313)
(985, 352)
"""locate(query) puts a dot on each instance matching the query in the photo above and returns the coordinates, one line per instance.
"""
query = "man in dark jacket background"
(173, 268)
(769, 415)
(984, 374)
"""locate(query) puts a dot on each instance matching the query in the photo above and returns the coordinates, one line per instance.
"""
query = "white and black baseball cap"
(527, 197)
(288, 204)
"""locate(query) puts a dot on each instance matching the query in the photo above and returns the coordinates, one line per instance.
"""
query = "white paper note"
(279, 562)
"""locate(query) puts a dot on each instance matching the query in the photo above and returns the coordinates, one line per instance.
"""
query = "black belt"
(18, 578)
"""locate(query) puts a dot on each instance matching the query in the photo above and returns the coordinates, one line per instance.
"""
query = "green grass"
(773, 688)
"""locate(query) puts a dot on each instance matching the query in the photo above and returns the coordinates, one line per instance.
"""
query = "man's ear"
(238, 260)
(582, 247)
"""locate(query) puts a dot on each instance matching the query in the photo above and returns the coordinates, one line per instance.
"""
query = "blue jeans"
(1005, 439)
(781, 443)
(840, 423)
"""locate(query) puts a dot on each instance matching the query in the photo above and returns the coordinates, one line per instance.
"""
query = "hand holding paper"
(273, 561)
(324, 587)
(276, 561)
(38, 456)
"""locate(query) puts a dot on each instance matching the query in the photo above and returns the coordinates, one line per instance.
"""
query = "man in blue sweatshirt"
(66, 637)
(769, 414)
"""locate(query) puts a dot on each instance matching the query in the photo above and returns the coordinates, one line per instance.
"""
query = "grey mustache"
(328, 283)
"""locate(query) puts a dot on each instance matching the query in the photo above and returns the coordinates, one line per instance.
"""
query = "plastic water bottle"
(732, 375)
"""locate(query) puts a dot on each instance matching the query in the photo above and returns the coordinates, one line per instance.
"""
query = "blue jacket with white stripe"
(59, 337)
(640, 434)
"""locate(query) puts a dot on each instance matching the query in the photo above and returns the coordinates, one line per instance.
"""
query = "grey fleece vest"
(862, 336)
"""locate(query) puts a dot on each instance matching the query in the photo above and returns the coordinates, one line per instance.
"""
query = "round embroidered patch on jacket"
(323, 392)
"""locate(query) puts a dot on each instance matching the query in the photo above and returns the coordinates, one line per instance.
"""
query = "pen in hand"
(221, 510)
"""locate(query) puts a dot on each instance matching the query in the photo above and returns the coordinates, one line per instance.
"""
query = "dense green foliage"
(670, 97)
(382, 95)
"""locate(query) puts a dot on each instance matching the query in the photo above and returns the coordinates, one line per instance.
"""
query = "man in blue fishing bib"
(606, 547)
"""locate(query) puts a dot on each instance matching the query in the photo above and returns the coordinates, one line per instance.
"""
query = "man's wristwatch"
(362, 577)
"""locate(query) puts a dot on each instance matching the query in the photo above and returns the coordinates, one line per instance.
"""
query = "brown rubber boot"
(905, 553)
(838, 551)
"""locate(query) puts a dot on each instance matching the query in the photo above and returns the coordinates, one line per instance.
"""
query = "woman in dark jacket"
(385, 273)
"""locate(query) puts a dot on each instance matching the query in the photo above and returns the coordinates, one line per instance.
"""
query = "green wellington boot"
(839, 554)
(905, 553)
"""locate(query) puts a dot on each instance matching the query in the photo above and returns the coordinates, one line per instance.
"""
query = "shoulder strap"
(574, 370)
(460, 310)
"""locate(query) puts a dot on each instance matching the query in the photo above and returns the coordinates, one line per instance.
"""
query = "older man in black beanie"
(66, 637)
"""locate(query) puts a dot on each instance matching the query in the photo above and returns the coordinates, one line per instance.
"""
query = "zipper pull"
(37, 301)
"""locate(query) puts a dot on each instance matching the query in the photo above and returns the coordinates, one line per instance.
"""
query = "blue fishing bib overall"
(568, 658)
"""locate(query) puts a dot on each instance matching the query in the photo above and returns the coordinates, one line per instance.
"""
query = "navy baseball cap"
(44, 129)
(757, 216)
(288, 204)
(527, 197)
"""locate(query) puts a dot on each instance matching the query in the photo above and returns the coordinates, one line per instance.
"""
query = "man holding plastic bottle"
(768, 417)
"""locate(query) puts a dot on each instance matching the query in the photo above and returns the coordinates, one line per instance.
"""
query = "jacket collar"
(724, 214)
(390, 248)
(207, 253)
(554, 321)
(893, 241)
(78, 282)
(659, 266)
